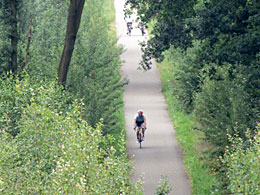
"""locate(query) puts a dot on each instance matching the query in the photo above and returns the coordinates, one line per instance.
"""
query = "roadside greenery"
(188, 137)
(52, 143)
(211, 52)
(242, 164)
(94, 70)
(185, 74)
(213, 44)
(163, 187)
(94, 74)
(55, 151)
(219, 121)
(48, 24)
(223, 104)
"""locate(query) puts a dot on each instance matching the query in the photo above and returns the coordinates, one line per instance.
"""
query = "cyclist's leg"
(127, 27)
(143, 129)
(137, 131)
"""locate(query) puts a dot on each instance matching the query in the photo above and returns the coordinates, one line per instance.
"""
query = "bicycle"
(139, 136)
(129, 28)
(142, 29)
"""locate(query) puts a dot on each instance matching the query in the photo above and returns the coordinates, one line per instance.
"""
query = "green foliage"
(213, 48)
(219, 105)
(232, 29)
(9, 34)
(186, 66)
(188, 138)
(94, 74)
(57, 152)
(229, 30)
(163, 187)
(170, 25)
(242, 164)
(17, 93)
(47, 147)
(48, 20)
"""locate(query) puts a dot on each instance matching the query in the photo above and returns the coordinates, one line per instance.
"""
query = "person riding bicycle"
(142, 27)
(129, 24)
(140, 121)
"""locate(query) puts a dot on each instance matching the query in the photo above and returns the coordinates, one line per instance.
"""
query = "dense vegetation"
(61, 139)
(97, 59)
(94, 69)
(213, 51)
(54, 150)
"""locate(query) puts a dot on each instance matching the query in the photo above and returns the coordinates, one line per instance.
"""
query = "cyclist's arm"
(135, 122)
(145, 121)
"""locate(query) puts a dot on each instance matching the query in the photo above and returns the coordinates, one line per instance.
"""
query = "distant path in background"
(161, 154)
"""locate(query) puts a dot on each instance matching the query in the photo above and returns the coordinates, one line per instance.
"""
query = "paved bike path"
(161, 154)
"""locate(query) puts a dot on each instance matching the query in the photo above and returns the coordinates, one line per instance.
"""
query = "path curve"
(161, 154)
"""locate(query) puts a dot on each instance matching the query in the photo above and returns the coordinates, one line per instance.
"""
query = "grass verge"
(189, 139)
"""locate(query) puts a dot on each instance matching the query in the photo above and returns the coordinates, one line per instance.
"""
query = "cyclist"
(140, 121)
(129, 24)
(142, 26)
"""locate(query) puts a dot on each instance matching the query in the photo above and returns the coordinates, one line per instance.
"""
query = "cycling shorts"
(140, 124)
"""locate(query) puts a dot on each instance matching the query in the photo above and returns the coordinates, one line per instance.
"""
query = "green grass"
(189, 139)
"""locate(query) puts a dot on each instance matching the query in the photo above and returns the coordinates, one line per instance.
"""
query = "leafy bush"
(57, 152)
(222, 105)
(242, 164)
(163, 187)
(186, 70)
(17, 93)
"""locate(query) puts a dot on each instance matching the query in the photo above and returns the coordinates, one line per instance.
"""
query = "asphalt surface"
(160, 154)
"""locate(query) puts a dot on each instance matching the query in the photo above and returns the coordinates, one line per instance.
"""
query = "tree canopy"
(229, 28)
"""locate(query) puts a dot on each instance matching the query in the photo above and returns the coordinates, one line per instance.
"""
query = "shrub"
(57, 152)
(17, 93)
(163, 188)
(242, 164)
(186, 69)
(222, 105)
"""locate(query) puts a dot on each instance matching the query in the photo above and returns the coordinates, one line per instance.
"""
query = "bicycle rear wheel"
(140, 138)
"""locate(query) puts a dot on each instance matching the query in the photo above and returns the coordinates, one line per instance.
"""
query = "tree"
(9, 15)
(73, 22)
(231, 29)
(48, 29)
(94, 73)
(171, 19)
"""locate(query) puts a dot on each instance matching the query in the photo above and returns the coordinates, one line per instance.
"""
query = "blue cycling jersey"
(139, 119)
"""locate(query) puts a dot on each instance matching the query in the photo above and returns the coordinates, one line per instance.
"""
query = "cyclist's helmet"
(140, 112)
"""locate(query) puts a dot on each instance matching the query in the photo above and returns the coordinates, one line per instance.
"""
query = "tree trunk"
(73, 22)
(13, 34)
(27, 48)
